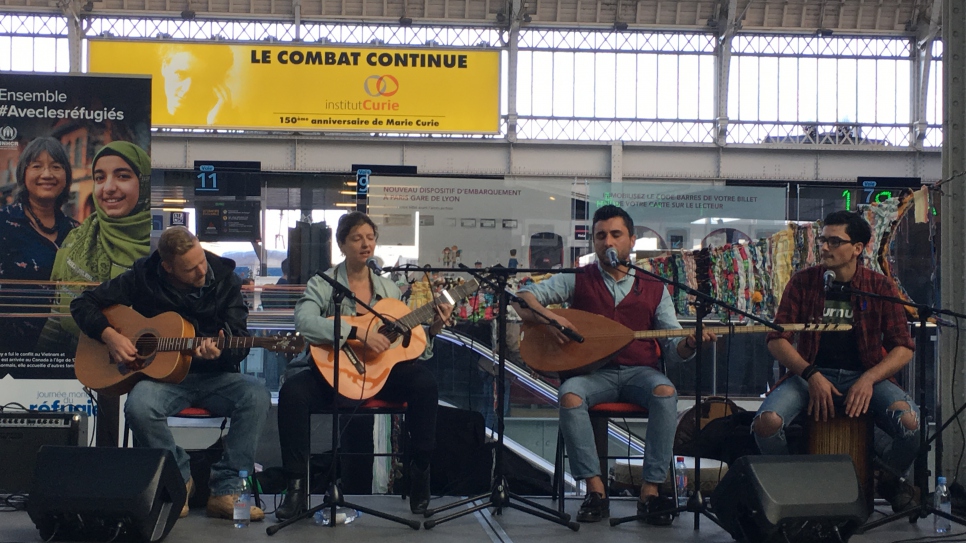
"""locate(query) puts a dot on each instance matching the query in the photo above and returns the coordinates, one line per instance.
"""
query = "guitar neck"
(757, 329)
(190, 343)
(425, 313)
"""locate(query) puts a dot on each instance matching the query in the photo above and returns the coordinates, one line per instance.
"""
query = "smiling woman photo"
(31, 230)
(109, 241)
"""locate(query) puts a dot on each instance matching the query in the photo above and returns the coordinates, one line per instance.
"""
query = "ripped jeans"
(633, 384)
(895, 444)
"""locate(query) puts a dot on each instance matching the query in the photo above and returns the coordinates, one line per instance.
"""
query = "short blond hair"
(174, 242)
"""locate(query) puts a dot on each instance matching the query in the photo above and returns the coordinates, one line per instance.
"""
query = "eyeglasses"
(833, 241)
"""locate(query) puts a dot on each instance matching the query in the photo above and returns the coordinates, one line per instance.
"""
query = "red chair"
(600, 415)
(199, 413)
(186, 413)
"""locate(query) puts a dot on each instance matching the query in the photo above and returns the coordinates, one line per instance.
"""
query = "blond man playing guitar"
(204, 290)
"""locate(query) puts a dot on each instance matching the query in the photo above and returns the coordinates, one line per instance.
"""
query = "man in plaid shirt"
(845, 373)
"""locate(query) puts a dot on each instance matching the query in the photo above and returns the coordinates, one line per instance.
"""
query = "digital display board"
(227, 178)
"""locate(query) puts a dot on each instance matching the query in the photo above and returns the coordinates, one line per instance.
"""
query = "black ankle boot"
(418, 489)
(294, 501)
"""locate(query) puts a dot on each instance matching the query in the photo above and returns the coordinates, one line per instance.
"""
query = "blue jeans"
(790, 399)
(240, 397)
(632, 384)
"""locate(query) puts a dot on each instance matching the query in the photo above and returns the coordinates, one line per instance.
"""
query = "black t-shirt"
(838, 350)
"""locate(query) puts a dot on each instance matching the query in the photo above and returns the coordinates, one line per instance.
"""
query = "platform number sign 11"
(207, 179)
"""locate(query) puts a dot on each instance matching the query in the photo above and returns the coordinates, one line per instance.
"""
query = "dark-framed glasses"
(834, 242)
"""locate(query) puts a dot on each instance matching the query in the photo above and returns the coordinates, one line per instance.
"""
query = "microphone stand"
(334, 497)
(702, 305)
(500, 495)
(921, 465)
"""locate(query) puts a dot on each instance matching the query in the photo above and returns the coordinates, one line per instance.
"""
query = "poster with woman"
(74, 205)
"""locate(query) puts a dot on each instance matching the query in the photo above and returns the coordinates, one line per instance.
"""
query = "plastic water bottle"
(681, 480)
(941, 503)
(343, 515)
(242, 514)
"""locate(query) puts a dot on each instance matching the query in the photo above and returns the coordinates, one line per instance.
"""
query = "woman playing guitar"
(309, 391)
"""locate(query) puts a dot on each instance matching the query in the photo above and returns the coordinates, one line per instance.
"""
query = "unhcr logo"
(8, 137)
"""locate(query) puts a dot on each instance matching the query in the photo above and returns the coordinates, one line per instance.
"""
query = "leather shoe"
(189, 492)
(656, 510)
(594, 508)
(294, 501)
(418, 489)
(900, 494)
(224, 507)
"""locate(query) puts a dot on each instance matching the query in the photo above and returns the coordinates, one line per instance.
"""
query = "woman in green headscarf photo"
(108, 242)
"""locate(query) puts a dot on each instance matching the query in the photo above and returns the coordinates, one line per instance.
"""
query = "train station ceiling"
(823, 17)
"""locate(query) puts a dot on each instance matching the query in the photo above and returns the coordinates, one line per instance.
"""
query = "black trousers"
(308, 392)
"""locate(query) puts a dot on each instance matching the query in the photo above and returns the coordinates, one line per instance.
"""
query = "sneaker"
(656, 510)
(224, 507)
(594, 508)
(189, 492)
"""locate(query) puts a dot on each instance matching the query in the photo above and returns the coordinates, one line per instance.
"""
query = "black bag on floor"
(463, 460)
(725, 432)
(201, 461)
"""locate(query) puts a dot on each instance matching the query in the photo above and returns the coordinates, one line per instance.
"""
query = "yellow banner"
(291, 87)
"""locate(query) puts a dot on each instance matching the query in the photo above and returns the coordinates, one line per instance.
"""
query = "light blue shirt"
(560, 288)
(316, 305)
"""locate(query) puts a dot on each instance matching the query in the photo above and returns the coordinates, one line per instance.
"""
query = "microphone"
(612, 259)
(829, 276)
(574, 336)
(373, 265)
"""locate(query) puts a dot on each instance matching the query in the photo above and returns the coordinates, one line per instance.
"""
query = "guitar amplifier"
(21, 436)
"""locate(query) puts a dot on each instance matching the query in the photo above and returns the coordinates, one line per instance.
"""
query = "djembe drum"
(846, 435)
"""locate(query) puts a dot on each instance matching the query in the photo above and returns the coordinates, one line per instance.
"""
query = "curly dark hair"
(351, 220)
(609, 212)
(856, 227)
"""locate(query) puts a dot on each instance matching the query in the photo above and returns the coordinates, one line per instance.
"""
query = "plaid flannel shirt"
(878, 326)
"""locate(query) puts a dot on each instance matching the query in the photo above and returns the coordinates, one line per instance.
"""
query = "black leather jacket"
(217, 306)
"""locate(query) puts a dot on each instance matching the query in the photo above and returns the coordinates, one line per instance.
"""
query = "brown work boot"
(224, 507)
(189, 492)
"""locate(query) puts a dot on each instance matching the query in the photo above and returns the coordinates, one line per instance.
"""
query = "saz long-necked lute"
(604, 337)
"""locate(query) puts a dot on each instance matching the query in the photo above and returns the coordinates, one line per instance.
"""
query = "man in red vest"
(632, 375)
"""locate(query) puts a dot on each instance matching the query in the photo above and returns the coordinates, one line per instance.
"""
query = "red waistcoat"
(636, 311)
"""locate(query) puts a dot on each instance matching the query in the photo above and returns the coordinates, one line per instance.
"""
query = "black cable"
(927, 538)
(94, 408)
(117, 532)
(731, 337)
(955, 407)
(54, 533)
(15, 404)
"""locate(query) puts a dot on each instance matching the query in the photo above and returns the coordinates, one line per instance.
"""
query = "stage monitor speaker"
(790, 499)
(101, 494)
(22, 434)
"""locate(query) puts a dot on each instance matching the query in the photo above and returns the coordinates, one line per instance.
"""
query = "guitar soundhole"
(146, 345)
(390, 333)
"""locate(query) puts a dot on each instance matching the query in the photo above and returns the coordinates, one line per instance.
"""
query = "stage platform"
(483, 527)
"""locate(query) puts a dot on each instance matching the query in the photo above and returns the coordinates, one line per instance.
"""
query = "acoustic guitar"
(164, 344)
(361, 378)
(603, 337)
